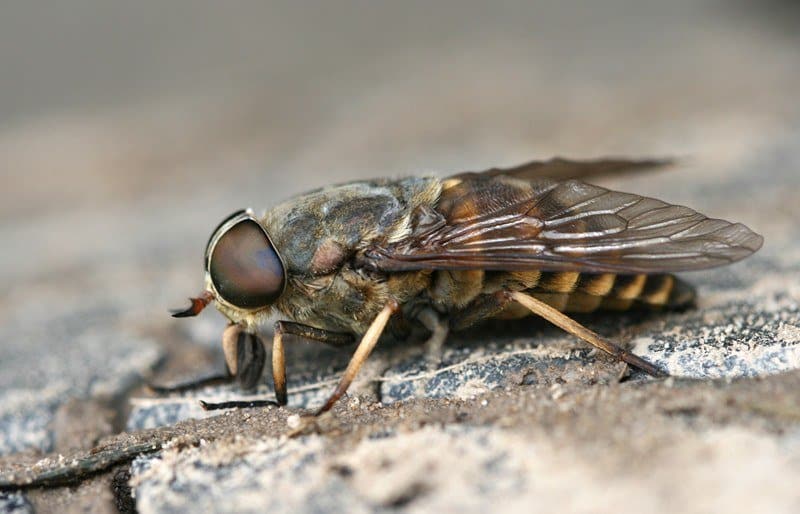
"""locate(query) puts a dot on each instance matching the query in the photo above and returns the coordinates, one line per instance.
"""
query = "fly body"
(351, 262)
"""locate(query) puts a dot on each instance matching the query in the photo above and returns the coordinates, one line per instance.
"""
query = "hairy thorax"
(322, 234)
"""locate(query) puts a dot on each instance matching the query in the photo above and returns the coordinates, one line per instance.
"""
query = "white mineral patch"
(789, 333)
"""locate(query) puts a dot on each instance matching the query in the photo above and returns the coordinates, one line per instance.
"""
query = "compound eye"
(245, 268)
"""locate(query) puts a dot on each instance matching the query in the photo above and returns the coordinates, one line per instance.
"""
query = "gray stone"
(14, 503)
(308, 385)
(94, 360)
(464, 469)
(239, 469)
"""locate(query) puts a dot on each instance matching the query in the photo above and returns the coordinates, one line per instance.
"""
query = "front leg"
(191, 385)
(244, 359)
(279, 357)
(244, 355)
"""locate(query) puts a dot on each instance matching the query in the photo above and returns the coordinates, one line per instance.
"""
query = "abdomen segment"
(573, 292)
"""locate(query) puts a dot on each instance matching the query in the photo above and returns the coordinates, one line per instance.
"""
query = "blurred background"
(128, 130)
(121, 120)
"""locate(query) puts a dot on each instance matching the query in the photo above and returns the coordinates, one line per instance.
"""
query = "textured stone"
(38, 381)
(466, 469)
(14, 503)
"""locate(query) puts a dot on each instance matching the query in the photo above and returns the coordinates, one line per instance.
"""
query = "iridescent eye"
(245, 268)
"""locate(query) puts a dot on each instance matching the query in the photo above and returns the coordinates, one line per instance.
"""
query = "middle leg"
(279, 357)
(244, 362)
(439, 329)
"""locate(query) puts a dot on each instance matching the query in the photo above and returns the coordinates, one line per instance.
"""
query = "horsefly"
(356, 261)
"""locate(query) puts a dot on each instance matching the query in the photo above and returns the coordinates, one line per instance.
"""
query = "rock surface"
(14, 503)
(110, 196)
(467, 469)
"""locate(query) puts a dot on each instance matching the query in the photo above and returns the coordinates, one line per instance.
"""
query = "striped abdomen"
(566, 291)
(581, 292)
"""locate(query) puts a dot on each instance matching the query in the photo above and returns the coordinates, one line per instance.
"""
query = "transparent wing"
(495, 222)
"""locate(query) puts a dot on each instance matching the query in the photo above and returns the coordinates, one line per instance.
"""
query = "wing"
(564, 169)
(495, 222)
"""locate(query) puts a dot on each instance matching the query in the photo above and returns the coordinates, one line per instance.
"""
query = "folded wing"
(494, 221)
(564, 169)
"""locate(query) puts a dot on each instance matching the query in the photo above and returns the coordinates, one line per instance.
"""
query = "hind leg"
(490, 305)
